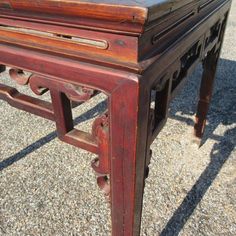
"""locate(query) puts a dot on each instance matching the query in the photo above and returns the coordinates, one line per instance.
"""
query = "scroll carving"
(19, 76)
(40, 85)
(100, 131)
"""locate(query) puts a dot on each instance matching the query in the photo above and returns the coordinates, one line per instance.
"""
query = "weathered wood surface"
(130, 10)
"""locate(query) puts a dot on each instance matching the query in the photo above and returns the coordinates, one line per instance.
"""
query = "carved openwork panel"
(60, 110)
(169, 84)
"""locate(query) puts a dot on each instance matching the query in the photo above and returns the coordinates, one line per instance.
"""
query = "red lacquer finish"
(133, 51)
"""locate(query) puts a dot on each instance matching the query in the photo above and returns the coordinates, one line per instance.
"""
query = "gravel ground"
(47, 187)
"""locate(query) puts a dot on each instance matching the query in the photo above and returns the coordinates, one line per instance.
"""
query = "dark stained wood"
(126, 49)
(206, 90)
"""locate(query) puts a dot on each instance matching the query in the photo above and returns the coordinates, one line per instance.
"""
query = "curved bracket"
(100, 165)
(40, 85)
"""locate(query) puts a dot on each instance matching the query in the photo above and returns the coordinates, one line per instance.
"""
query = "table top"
(135, 11)
(97, 30)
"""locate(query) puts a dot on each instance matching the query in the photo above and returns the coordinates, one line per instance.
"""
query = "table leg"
(129, 110)
(207, 84)
(206, 90)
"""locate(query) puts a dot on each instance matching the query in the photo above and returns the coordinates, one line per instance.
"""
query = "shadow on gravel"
(219, 155)
(223, 111)
(41, 142)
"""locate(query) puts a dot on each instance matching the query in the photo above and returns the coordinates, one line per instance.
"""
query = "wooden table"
(135, 52)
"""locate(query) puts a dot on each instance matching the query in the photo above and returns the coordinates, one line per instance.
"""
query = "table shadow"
(219, 155)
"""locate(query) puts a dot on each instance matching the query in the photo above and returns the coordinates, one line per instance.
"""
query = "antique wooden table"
(135, 52)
